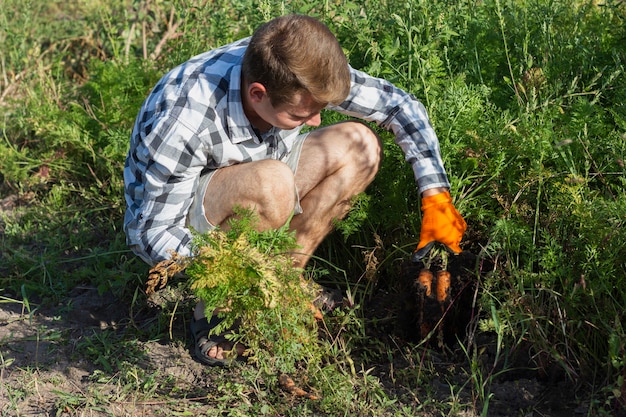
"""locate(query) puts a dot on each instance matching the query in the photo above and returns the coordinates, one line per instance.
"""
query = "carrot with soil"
(425, 281)
(444, 279)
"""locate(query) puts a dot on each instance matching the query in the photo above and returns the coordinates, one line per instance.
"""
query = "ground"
(94, 354)
(68, 359)
(46, 369)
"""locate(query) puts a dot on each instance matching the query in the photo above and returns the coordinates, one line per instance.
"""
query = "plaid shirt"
(193, 121)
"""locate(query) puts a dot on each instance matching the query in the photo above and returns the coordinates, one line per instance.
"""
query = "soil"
(46, 369)
(45, 372)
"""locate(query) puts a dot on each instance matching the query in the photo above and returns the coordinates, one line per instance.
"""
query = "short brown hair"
(296, 53)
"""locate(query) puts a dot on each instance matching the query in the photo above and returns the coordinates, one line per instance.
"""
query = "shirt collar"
(238, 124)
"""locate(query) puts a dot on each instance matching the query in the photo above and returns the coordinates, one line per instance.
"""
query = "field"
(528, 100)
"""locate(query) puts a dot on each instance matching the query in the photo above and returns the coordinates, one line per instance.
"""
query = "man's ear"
(256, 92)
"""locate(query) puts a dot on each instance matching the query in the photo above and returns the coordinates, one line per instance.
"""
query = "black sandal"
(203, 342)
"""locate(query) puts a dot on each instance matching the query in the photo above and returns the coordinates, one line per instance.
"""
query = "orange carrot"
(425, 280)
(287, 384)
(443, 285)
(317, 313)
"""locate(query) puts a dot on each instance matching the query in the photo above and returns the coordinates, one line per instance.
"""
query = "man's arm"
(379, 101)
(433, 191)
(162, 171)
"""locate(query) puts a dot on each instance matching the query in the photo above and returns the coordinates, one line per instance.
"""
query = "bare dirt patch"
(57, 360)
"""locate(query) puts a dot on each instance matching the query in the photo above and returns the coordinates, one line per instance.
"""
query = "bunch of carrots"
(441, 280)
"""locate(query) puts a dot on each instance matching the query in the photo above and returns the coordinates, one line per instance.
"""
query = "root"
(164, 270)
(287, 384)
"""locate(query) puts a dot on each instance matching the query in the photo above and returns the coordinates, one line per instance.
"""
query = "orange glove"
(441, 222)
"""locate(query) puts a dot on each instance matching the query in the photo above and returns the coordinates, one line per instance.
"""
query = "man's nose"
(314, 120)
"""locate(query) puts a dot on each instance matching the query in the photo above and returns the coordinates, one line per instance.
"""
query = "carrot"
(287, 384)
(317, 313)
(425, 280)
(443, 285)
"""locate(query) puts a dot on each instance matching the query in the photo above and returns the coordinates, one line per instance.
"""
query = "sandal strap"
(203, 342)
(204, 345)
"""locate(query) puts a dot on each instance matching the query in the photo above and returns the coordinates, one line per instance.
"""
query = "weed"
(249, 278)
(108, 352)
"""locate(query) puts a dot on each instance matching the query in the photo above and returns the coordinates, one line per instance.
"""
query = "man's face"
(302, 111)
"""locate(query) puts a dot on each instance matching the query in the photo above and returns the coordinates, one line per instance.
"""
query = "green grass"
(527, 98)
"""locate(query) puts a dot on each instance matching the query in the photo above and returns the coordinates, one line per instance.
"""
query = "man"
(222, 130)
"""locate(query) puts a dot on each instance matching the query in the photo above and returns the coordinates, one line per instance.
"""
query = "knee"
(275, 177)
(275, 195)
(364, 145)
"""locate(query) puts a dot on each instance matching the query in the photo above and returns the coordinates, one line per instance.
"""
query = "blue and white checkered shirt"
(193, 121)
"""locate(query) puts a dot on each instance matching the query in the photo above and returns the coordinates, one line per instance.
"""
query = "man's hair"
(296, 53)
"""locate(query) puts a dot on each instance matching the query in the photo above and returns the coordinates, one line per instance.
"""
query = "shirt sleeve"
(377, 100)
(173, 157)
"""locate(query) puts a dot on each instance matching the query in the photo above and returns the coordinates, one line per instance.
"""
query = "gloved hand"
(441, 222)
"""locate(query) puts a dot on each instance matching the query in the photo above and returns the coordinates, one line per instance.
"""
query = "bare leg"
(267, 187)
(337, 163)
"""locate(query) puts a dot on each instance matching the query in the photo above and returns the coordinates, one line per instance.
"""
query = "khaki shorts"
(196, 218)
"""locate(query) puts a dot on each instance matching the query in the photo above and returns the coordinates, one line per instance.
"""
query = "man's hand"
(441, 222)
